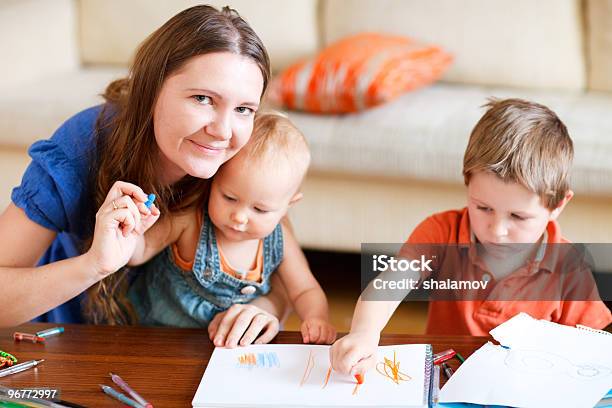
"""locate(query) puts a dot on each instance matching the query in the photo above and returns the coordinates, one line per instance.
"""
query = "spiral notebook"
(288, 375)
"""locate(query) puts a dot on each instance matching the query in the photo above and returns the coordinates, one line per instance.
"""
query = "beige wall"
(13, 163)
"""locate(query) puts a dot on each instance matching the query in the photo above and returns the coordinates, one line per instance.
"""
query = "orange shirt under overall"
(253, 274)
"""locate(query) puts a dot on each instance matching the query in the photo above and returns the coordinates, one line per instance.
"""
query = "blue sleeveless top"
(55, 193)
(164, 294)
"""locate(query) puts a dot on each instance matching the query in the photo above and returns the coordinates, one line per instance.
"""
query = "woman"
(186, 107)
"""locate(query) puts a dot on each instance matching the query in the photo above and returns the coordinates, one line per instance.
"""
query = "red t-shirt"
(478, 317)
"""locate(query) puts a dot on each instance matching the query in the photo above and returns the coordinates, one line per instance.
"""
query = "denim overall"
(165, 295)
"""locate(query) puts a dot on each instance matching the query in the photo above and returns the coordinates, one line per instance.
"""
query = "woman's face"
(204, 114)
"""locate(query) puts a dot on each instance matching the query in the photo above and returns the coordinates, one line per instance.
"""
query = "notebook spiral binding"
(428, 383)
(590, 329)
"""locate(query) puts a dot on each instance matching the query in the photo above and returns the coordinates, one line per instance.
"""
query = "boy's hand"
(354, 353)
(318, 331)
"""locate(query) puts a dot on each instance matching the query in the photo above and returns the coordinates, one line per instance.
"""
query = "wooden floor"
(339, 275)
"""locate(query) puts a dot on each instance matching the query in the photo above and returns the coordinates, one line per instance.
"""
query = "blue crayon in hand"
(150, 200)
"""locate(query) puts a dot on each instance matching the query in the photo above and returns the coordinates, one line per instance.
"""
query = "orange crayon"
(359, 378)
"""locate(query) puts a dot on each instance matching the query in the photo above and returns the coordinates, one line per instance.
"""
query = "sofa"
(374, 174)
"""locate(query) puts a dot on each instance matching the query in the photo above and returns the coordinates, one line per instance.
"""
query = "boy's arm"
(305, 293)
(371, 316)
(356, 352)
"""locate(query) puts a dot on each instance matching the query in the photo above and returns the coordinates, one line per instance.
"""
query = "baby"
(227, 253)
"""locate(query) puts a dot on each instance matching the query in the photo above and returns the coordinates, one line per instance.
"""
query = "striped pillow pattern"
(358, 72)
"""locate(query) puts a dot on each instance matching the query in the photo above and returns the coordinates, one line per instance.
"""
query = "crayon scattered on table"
(50, 332)
(18, 336)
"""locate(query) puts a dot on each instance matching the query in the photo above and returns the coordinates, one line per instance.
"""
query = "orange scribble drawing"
(247, 359)
(327, 377)
(391, 370)
(356, 388)
(309, 366)
(259, 360)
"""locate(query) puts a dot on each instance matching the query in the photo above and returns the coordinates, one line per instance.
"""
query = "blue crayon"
(150, 200)
(50, 332)
(121, 397)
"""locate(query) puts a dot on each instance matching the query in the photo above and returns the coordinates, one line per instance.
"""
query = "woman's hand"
(120, 223)
(242, 324)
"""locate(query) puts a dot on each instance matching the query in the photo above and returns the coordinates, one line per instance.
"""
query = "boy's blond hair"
(275, 138)
(523, 142)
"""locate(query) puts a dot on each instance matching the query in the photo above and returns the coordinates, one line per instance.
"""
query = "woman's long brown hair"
(125, 144)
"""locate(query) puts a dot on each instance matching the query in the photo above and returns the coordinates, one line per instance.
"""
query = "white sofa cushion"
(13, 163)
(599, 16)
(112, 29)
(349, 210)
(423, 135)
(37, 38)
(522, 43)
(34, 110)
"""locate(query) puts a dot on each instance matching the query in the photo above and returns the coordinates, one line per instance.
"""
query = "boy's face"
(248, 201)
(505, 212)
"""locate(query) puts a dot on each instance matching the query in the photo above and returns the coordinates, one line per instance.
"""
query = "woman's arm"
(276, 302)
(257, 322)
(29, 291)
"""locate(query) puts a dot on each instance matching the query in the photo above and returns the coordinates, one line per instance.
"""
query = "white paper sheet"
(547, 364)
(295, 376)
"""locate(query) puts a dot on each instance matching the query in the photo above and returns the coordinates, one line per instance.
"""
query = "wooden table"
(165, 365)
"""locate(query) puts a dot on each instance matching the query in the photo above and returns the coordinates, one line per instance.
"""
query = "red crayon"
(359, 378)
(18, 336)
(443, 356)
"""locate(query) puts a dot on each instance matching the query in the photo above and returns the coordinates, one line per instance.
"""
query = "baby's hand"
(354, 353)
(318, 331)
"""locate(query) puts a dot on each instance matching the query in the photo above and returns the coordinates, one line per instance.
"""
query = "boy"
(226, 254)
(516, 169)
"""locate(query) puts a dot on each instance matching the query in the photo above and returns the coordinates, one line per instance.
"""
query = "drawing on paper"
(391, 369)
(545, 363)
(259, 360)
(327, 377)
(588, 371)
(309, 366)
(326, 381)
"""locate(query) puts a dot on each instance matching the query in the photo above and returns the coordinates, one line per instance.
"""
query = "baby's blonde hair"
(523, 142)
(275, 138)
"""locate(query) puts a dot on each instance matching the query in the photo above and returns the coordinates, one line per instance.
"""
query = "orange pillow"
(358, 72)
